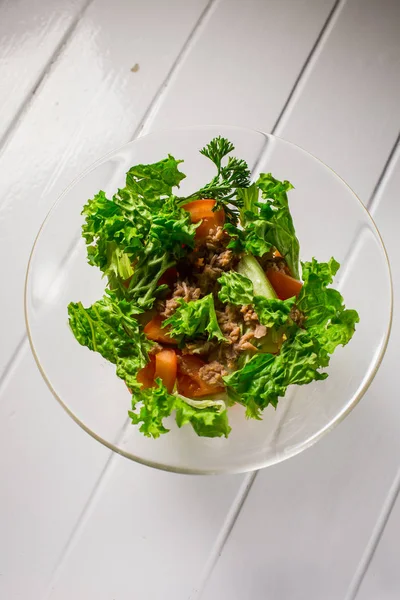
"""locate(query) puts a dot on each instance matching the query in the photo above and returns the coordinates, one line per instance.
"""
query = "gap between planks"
(58, 51)
(393, 494)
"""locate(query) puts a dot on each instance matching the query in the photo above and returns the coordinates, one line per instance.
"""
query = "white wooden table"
(77, 522)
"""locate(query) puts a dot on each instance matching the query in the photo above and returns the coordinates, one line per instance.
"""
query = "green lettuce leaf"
(140, 233)
(209, 418)
(327, 319)
(266, 224)
(273, 312)
(194, 318)
(235, 288)
(266, 377)
(107, 327)
(276, 211)
(153, 182)
(239, 290)
(151, 406)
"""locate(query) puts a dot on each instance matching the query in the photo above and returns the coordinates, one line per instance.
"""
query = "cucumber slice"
(250, 267)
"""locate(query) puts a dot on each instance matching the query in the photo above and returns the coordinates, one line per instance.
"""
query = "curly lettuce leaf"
(151, 406)
(127, 218)
(235, 288)
(155, 181)
(276, 212)
(255, 239)
(327, 319)
(140, 233)
(273, 312)
(239, 290)
(266, 377)
(108, 327)
(266, 224)
(193, 319)
(209, 418)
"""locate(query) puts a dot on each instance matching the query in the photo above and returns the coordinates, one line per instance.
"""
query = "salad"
(206, 303)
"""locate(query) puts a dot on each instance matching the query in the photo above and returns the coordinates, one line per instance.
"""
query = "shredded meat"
(223, 260)
(278, 263)
(250, 316)
(183, 289)
(207, 279)
(211, 258)
(229, 320)
(217, 239)
(244, 342)
(213, 372)
(297, 316)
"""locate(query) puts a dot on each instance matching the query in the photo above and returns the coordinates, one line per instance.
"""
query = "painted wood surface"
(323, 74)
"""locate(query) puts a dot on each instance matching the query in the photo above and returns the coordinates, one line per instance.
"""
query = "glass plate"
(330, 221)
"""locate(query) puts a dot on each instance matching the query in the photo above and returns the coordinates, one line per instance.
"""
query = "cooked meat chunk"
(206, 280)
(228, 353)
(250, 316)
(278, 263)
(183, 289)
(217, 239)
(229, 321)
(224, 261)
(244, 342)
(213, 372)
(297, 316)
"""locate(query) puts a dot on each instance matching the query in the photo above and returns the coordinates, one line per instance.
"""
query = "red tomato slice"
(189, 383)
(166, 367)
(284, 285)
(146, 374)
(156, 332)
(201, 210)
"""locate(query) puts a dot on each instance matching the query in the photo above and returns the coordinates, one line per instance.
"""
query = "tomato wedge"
(188, 381)
(284, 285)
(166, 367)
(202, 210)
(163, 365)
(146, 374)
(156, 332)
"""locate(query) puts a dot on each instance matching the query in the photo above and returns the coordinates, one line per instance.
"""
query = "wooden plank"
(306, 522)
(348, 84)
(49, 466)
(31, 31)
(244, 66)
(382, 578)
(121, 506)
(158, 529)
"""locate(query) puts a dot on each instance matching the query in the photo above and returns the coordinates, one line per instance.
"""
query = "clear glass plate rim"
(260, 464)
